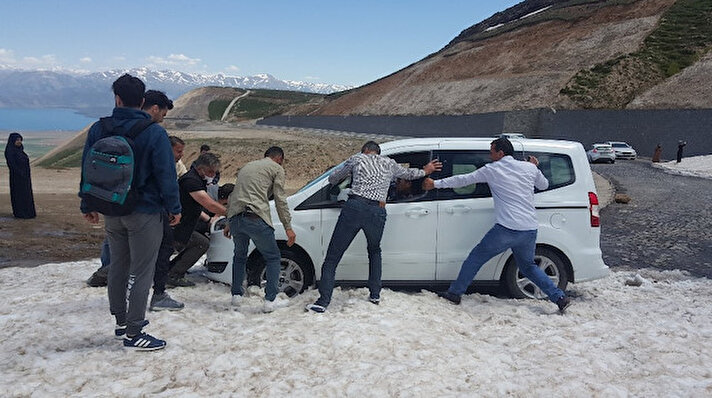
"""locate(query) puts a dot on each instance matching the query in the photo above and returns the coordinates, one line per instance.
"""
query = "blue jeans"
(243, 228)
(497, 240)
(357, 214)
(105, 253)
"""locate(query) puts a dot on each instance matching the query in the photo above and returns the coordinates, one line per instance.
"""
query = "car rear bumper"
(594, 267)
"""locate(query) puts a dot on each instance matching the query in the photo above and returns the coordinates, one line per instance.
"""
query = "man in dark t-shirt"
(193, 197)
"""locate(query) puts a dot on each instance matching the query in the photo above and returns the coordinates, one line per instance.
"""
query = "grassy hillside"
(262, 103)
(684, 35)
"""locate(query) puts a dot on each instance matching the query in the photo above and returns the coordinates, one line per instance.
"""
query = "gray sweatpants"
(133, 242)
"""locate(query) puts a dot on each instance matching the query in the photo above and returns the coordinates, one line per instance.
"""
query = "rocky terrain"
(542, 54)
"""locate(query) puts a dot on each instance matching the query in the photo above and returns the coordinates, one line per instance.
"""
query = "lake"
(42, 119)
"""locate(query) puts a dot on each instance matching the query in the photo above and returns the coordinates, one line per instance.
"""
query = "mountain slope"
(519, 59)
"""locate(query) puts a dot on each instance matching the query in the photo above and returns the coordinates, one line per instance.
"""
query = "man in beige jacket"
(250, 219)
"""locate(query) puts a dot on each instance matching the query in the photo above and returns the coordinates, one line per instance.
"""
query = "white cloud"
(7, 56)
(118, 58)
(173, 60)
(232, 68)
(44, 61)
(312, 78)
(85, 60)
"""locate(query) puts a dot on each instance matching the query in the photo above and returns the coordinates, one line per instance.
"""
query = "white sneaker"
(273, 305)
(236, 300)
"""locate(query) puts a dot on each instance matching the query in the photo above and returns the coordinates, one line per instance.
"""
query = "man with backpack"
(132, 211)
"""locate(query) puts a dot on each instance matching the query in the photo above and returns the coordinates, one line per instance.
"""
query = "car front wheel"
(549, 262)
(295, 273)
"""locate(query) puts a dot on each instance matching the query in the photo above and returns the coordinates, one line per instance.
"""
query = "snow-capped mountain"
(82, 90)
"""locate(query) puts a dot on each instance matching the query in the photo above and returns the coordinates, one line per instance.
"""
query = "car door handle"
(417, 213)
(458, 210)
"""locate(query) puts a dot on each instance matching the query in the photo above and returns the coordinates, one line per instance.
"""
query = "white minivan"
(429, 233)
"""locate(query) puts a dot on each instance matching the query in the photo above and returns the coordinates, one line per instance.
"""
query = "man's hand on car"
(433, 166)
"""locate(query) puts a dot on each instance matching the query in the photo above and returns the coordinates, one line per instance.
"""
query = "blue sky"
(341, 42)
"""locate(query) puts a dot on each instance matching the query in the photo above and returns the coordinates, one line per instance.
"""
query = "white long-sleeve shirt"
(512, 184)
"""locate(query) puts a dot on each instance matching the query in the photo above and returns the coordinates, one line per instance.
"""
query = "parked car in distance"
(429, 233)
(601, 153)
(623, 150)
(510, 136)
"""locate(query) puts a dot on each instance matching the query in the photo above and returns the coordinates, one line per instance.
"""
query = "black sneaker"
(374, 300)
(172, 281)
(144, 342)
(315, 308)
(563, 304)
(99, 278)
(451, 297)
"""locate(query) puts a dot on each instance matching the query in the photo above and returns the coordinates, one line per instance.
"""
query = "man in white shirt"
(512, 184)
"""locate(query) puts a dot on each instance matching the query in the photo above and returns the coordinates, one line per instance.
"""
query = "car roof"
(601, 144)
(530, 144)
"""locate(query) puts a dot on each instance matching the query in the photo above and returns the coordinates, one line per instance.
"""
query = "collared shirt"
(372, 175)
(256, 182)
(180, 168)
(512, 185)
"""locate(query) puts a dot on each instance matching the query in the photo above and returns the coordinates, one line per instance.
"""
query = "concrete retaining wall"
(643, 129)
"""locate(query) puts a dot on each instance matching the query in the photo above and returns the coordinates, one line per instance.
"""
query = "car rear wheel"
(549, 262)
(295, 273)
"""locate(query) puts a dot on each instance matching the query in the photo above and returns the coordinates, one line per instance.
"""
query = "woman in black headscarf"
(23, 203)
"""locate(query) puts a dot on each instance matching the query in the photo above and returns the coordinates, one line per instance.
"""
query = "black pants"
(190, 253)
(163, 262)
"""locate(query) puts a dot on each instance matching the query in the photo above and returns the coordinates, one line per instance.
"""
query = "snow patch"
(616, 340)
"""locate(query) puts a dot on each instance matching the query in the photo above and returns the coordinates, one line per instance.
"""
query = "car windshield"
(321, 177)
(620, 145)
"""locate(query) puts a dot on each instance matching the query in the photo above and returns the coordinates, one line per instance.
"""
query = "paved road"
(667, 224)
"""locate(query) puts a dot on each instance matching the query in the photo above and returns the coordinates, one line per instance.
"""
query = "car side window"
(462, 162)
(402, 190)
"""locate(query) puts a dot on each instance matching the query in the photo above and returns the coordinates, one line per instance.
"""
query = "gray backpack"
(109, 170)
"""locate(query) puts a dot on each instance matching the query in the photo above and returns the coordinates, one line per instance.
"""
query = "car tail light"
(595, 150)
(593, 209)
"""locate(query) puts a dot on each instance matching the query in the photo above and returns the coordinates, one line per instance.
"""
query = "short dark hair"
(225, 190)
(130, 89)
(208, 159)
(504, 145)
(205, 147)
(371, 146)
(273, 152)
(175, 140)
(155, 97)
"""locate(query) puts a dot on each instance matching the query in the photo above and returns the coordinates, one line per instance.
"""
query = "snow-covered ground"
(615, 341)
(697, 166)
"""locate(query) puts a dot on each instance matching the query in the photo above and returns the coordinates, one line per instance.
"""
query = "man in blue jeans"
(250, 219)
(512, 184)
(371, 176)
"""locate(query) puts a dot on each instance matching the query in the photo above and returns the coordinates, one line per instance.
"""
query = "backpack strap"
(139, 127)
(108, 127)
